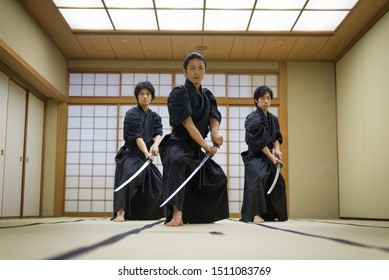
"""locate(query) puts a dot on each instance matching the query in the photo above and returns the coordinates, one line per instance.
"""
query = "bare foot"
(258, 220)
(176, 221)
(119, 216)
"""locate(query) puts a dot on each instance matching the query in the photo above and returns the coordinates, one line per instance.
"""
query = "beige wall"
(23, 35)
(313, 181)
(363, 122)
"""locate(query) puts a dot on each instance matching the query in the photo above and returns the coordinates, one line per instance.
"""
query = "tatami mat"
(101, 239)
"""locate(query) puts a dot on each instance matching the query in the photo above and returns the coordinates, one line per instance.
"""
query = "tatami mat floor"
(101, 239)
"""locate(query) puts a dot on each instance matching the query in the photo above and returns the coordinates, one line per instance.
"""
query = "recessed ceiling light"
(210, 15)
(319, 20)
(91, 19)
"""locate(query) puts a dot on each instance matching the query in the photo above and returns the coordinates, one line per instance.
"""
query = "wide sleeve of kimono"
(157, 125)
(132, 125)
(214, 110)
(178, 105)
(277, 131)
(279, 135)
(256, 135)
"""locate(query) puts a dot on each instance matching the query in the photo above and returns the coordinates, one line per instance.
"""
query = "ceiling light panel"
(331, 4)
(179, 4)
(91, 19)
(280, 4)
(129, 4)
(226, 20)
(226, 15)
(133, 19)
(320, 20)
(229, 4)
(273, 20)
(79, 4)
(191, 20)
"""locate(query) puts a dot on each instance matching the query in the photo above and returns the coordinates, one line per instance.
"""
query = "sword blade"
(187, 179)
(133, 176)
(275, 178)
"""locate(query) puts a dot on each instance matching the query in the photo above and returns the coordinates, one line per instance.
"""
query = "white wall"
(363, 126)
(313, 181)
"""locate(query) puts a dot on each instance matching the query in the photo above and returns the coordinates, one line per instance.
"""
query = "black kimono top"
(261, 131)
(141, 124)
(185, 101)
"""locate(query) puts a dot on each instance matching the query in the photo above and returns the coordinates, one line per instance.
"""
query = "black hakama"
(262, 131)
(204, 199)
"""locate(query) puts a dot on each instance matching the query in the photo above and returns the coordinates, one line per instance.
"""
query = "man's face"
(144, 97)
(195, 71)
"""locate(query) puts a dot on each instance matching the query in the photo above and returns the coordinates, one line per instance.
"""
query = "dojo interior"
(64, 91)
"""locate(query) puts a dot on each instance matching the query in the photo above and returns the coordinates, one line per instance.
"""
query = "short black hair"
(260, 91)
(144, 85)
(194, 55)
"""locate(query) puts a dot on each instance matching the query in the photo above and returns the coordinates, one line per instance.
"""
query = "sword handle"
(152, 154)
(209, 154)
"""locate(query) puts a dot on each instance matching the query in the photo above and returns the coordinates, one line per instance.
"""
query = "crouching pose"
(262, 137)
(193, 114)
(142, 133)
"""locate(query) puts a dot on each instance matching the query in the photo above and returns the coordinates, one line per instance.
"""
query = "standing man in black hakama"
(193, 114)
(142, 133)
(262, 136)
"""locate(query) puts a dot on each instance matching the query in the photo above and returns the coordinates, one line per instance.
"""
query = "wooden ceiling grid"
(220, 46)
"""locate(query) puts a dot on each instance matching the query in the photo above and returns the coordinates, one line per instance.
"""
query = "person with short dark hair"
(193, 114)
(262, 136)
(142, 133)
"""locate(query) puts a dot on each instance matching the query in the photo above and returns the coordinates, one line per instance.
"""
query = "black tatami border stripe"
(106, 242)
(347, 224)
(48, 223)
(338, 240)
